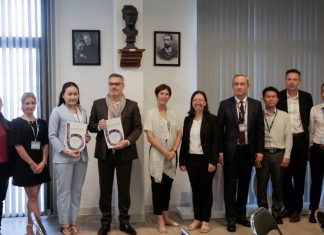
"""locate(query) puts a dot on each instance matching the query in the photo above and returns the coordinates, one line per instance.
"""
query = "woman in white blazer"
(69, 165)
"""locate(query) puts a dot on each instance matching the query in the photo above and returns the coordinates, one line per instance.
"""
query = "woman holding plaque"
(164, 133)
(31, 142)
(70, 155)
(199, 156)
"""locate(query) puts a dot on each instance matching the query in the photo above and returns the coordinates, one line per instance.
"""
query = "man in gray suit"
(119, 158)
(241, 121)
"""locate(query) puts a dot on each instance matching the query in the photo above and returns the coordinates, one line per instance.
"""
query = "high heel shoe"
(194, 225)
(29, 229)
(204, 227)
(65, 230)
(75, 230)
(172, 223)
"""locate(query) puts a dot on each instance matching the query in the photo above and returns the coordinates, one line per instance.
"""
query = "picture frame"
(167, 48)
(86, 47)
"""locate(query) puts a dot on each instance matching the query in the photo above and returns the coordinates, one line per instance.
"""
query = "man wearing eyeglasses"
(316, 137)
(119, 158)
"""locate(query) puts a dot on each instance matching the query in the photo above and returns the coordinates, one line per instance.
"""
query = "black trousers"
(201, 182)
(294, 176)
(4, 179)
(106, 179)
(237, 174)
(317, 173)
(161, 194)
(270, 167)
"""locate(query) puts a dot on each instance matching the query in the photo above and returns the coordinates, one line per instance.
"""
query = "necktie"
(241, 139)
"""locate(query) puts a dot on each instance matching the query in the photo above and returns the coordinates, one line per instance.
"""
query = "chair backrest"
(262, 222)
(183, 231)
(38, 224)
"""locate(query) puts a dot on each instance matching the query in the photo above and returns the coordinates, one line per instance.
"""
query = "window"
(20, 45)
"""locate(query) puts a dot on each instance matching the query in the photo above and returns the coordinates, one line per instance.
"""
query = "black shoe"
(243, 221)
(231, 227)
(285, 213)
(277, 219)
(127, 229)
(295, 217)
(312, 218)
(104, 229)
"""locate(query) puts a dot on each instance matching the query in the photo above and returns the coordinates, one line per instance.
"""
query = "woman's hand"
(72, 153)
(183, 168)
(170, 155)
(40, 167)
(211, 167)
(87, 138)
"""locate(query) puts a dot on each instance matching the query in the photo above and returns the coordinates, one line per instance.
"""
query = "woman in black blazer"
(199, 156)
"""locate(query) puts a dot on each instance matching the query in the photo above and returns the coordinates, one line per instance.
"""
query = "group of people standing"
(242, 135)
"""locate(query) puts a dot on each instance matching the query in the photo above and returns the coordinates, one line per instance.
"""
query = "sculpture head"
(130, 15)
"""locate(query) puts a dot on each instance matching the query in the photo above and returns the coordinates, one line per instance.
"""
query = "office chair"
(183, 231)
(262, 222)
(38, 224)
(320, 219)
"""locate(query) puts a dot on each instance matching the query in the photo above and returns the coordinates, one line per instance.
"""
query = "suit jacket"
(209, 137)
(132, 127)
(228, 121)
(305, 105)
(164, 55)
(56, 133)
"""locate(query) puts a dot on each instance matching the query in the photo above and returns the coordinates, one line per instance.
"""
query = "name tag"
(242, 127)
(35, 145)
(322, 140)
(268, 139)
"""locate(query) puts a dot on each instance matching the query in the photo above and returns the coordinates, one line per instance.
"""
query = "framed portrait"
(166, 48)
(86, 47)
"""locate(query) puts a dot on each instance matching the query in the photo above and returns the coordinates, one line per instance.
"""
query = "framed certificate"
(114, 132)
(75, 136)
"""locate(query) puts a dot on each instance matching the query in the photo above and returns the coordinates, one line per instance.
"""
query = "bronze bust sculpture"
(130, 16)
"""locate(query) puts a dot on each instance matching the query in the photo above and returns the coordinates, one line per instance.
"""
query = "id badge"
(322, 140)
(267, 139)
(242, 127)
(35, 145)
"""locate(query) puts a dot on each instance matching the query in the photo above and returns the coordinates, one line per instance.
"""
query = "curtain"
(262, 39)
(21, 42)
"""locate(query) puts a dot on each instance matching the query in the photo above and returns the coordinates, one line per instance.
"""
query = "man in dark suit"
(118, 158)
(242, 145)
(168, 52)
(298, 105)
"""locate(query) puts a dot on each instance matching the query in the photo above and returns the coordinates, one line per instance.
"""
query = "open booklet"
(114, 132)
(75, 136)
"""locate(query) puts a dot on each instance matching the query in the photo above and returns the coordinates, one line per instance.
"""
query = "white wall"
(103, 15)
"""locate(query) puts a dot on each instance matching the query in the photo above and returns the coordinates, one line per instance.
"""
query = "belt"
(298, 135)
(273, 150)
(320, 146)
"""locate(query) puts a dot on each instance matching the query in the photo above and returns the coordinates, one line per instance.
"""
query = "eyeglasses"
(114, 83)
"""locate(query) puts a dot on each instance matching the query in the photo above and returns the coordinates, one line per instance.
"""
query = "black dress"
(23, 133)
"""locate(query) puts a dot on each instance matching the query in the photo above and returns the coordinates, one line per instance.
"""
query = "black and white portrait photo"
(86, 47)
(166, 48)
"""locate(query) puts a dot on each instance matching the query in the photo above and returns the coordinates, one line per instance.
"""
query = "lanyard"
(37, 128)
(265, 118)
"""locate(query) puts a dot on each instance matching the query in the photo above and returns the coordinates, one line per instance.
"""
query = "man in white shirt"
(277, 148)
(316, 137)
(297, 104)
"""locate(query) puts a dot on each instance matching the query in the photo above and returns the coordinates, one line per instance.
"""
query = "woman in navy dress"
(30, 139)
